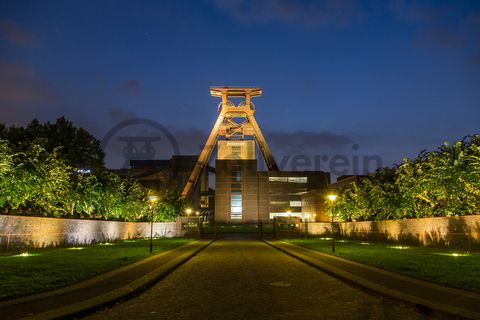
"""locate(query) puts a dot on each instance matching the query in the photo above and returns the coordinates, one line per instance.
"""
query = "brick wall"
(455, 232)
(18, 232)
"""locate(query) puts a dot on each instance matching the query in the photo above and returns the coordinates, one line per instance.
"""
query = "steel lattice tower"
(229, 126)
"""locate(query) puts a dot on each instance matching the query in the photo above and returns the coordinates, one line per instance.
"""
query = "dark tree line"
(57, 169)
(443, 182)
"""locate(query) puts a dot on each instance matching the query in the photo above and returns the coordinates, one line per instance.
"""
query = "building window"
(284, 214)
(278, 179)
(236, 173)
(236, 152)
(204, 203)
(279, 203)
(298, 179)
(288, 179)
(295, 203)
(236, 207)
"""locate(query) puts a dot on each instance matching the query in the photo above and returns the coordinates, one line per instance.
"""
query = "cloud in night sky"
(475, 59)
(131, 86)
(300, 140)
(444, 37)
(435, 22)
(118, 115)
(311, 13)
(443, 26)
(17, 35)
(20, 85)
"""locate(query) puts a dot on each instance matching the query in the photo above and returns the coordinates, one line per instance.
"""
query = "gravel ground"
(241, 279)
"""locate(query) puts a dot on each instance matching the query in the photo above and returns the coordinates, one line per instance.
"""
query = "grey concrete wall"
(17, 232)
(455, 232)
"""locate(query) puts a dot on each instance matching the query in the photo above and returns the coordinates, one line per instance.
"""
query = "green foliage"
(170, 205)
(439, 183)
(76, 146)
(39, 175)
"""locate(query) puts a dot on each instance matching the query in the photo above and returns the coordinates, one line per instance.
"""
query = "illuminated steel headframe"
(229, 126)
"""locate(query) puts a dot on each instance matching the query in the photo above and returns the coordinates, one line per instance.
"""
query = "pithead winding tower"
(234, 122)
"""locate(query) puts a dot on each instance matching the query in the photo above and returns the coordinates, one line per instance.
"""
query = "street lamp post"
(332, 198)
(200, 224)
(188, 211)
(306, 225)
(152, 200)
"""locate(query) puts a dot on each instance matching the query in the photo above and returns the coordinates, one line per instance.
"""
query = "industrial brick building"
(245, 195)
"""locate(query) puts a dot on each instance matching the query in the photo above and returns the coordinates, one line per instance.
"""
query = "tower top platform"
(235, 92)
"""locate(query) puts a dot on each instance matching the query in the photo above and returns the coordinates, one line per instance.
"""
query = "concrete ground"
(246, 279)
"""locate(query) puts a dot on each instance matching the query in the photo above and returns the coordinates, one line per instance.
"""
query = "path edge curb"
(126, 292)
(420, 304)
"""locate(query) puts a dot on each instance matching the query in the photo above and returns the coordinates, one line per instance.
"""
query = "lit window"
(295, 203)
(236, 195)
(236, 203)
(236, 209)
(279, 203)
(236, 152)
(298, 179)
(284, 214)
(236, 174)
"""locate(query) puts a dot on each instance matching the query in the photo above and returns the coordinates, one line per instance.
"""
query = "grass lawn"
(449, 267)
(46, 269)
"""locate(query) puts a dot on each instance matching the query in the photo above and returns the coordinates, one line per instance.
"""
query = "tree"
(76, 146)
(438, 183)
(170, 205)
(6, 170)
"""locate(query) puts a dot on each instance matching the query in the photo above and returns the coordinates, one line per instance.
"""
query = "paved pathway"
(242, 279)
(395, 285)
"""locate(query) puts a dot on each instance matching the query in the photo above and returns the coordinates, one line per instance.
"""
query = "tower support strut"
(227, 125)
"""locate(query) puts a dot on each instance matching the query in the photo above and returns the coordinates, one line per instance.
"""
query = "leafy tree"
(6, 169)
(39, 173)
(75, 145)
(170, 205)
(438, 183)
(134, 206)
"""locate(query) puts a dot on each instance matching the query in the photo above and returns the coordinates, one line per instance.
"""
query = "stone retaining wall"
(20, 232)
(455, 232)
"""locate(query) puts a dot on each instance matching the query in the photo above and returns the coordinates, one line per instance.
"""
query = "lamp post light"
(307, 216)
(332, 198)
(290, 224)
(188, 211)
(152, 200)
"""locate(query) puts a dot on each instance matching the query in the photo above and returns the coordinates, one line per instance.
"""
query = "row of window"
(286, 203)
(289, 179)
(236, 207)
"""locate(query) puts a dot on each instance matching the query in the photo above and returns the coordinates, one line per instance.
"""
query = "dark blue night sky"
(393, 77)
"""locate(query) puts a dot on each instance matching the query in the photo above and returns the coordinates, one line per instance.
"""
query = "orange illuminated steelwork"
(227, 125)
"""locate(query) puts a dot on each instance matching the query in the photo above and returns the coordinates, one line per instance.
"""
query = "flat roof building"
(243, 194)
